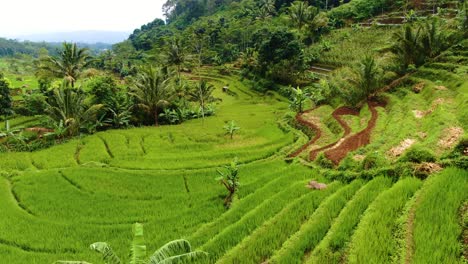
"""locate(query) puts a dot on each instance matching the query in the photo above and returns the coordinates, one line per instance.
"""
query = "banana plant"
(177, 251)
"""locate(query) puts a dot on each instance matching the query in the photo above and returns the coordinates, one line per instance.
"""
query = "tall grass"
(332, 247)
(261, 243)
(374, 241)
(436, 225)
(312, 231)
(278, 204)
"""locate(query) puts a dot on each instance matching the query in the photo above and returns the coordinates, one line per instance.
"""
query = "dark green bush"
(324, 162)
(418, 154)
(372, 161)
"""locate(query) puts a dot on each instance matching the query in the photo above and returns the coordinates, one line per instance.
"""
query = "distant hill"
(90, 37)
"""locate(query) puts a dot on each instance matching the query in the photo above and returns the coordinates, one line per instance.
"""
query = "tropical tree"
(69, 107)
(177, 251)
(407, 46)
(300, 13)
(369, 76)
(175, 55)
(152, 91)
(203, 95)
(230, 180)
(266, 9)
(231, 128)
(68, 65)
(6, 106)
(298, 99)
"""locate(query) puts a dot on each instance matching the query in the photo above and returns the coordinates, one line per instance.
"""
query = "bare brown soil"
(336, 151)
(318, 133)
(357, 140)
(347, 129)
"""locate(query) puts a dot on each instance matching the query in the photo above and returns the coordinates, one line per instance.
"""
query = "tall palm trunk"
(156, 123)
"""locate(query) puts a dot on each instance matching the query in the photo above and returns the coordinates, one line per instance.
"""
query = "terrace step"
(231, 235)
(262, 242)
(316, 227)
(333, 245)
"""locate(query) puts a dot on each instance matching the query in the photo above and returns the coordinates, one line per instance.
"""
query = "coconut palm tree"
(301, 13)
(203, 95)
(68, 65)
(177, 251)
(175, 55)
(407, 46)
(68, 106)
(152, 91)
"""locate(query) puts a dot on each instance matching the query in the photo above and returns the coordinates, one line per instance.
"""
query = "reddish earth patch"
(347, 129)
(318, 133)
(357, 140)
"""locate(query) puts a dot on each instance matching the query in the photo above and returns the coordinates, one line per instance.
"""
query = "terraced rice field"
(55, 202)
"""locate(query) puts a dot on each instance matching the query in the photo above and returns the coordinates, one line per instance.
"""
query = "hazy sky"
(20, 17)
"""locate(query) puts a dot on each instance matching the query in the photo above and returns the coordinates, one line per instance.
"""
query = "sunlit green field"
(54, 203)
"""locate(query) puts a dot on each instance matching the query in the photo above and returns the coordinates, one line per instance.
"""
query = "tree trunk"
(156, 117)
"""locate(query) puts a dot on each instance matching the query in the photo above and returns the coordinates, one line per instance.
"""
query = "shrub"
(418, 154)
(372, 161)
(324, 162)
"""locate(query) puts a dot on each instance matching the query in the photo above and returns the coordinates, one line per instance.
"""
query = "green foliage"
(69, 107)
(298, 99)
(5, 98)
(324, 162)
(373, 240)
(436, 224)
(203, 95)
(316, 227)
(230, 180)
(418, 154)
(333, 246)
(280, 56)
(231, 127)
(300, 13)
(373, 160)
(68, 65)
(152, 91)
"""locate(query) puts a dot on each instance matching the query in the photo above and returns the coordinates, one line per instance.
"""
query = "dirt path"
(318, 133)
(357, 140)
(336, 151)
(347, 129)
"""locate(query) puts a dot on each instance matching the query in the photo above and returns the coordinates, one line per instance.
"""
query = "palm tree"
(266, 9)
(301, 13)
(68, 107)
(202, 94)
(369, 76)
(177, 251)
(407, 46)
(153, 91)
(68, 65)
(175, 55)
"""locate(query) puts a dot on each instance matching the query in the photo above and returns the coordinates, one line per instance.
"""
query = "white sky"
(21, 17)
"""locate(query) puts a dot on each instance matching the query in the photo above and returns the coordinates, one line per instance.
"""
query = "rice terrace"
(241, 131)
